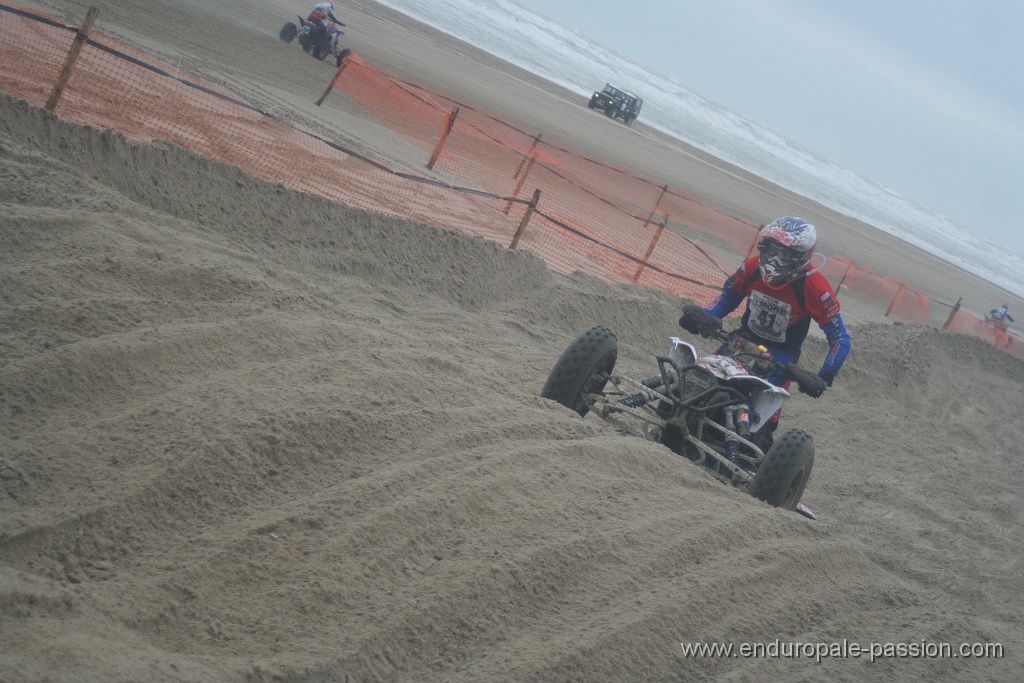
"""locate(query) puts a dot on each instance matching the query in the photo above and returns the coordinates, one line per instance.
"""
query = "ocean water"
(515, 33)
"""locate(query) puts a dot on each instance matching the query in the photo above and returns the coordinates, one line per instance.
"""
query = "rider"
(1001, 314)
(323, 11)
(784, 293)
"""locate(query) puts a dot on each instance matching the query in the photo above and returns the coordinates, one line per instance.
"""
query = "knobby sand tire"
(289, 32)
(782, 477)
(582, 369)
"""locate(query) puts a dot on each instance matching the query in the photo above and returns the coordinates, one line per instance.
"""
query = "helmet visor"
(779, 255)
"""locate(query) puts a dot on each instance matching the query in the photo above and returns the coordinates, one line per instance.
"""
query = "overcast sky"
(925, 97)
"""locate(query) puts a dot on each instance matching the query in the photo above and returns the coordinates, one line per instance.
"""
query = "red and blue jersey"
(779, 317)
(321, 12)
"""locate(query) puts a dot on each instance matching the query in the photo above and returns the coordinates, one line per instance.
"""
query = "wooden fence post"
(334, 79)
(952, 314)
(69, 64)
(893, 302)
(448, 125)
(849, 264)
(650, 249)
(528, 162)
(526, 218)
(650, 216)
(753, 245)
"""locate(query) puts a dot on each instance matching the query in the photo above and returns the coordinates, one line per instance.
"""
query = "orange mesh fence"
(33, 52)
(407, 111)
(591, 216)
(983, 328)
(567, 250)
(612, 201)
(838, 267)
(673, 255)
(503, 159)
(863, 280)
(113, 86)
(694, 213)
(910, 305)
(665, 254)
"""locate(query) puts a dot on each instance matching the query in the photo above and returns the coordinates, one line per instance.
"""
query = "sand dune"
(251, 435)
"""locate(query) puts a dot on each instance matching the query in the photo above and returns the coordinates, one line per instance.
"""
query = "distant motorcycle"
(315, 40)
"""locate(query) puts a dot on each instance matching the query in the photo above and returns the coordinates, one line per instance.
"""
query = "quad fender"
(683, 353)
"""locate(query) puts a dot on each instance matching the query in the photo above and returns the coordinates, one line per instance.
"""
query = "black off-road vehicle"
(617, 103)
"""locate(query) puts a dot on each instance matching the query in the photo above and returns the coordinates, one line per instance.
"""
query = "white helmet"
(785, 247)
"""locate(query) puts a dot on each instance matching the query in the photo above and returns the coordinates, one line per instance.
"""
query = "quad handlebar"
(697, 320)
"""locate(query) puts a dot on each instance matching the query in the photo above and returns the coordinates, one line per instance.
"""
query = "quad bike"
(313, 39)
(708, 409)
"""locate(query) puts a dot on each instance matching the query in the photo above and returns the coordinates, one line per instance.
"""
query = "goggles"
(779, 255)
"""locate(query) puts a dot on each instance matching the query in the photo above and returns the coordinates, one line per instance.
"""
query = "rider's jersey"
(780, 317)
(1001, 314)
(321, 11)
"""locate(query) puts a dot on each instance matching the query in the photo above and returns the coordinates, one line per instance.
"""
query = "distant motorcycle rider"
(783, 293)
(323, 11)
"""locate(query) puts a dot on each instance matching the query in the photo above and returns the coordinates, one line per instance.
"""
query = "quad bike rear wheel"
(783, 475)
(583, 368)
(288, 32)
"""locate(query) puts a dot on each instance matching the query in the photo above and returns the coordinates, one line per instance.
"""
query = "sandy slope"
(247, 434)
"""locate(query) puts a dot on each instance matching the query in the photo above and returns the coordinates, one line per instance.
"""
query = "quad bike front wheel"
(583, 368)
(342, 55)
(783, 475)
(288, 32)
